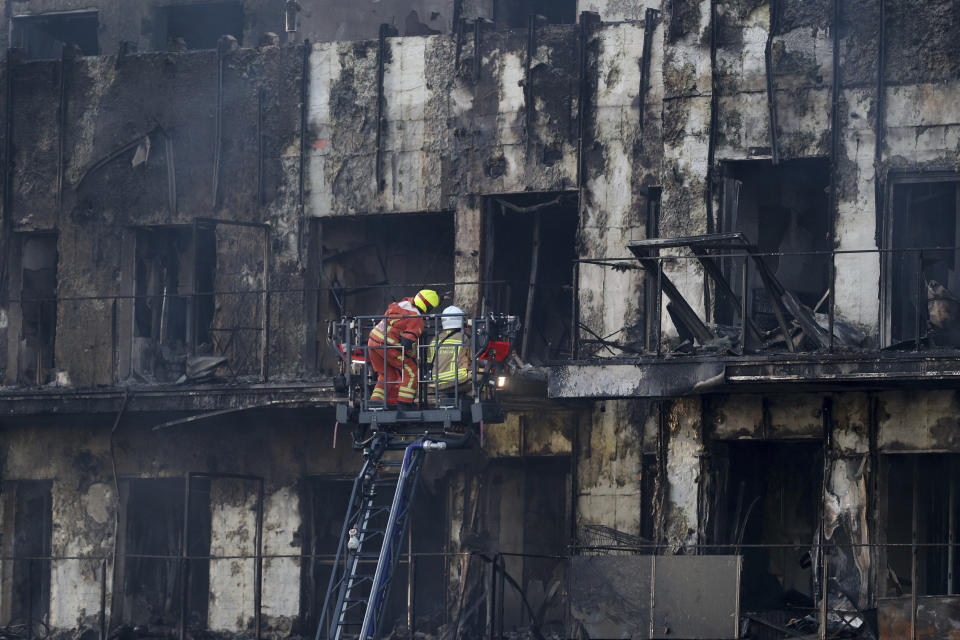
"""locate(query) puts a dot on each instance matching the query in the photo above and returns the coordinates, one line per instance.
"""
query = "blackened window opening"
(153, 511)
(924, 286)
(43, 37)
(516, 13)
(165, 300)
(32, 531)
(767, 494)
(367, 262)
(934, 496)
(197, 26)
(38, 295)
(523, 513)
(325, 502)
(779, 208)
(518, 222)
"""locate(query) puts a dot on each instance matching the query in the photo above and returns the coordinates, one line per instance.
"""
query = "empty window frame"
(529, 252)
(539, 489)
(516, 14)
(27, 533)
(168, 318)
(325, 502)
(781, 208)
(922, 266)
(43, 37)
(150, 565)
(33, 274)
(197, 26)
(360, 264)
(919, 521)
(766, 507)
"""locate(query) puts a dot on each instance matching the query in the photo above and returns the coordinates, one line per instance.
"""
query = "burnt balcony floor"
(170, 398)
(659, 377)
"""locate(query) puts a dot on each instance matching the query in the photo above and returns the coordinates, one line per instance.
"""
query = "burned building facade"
(729, 228)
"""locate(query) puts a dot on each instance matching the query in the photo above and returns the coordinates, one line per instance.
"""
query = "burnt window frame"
(723, 471)
(885, 227)
(327, 298)
(37, 563)
(18, 33)
(920, 463)
(162, 17)
(734, 185)
(518, 19)
(17, 317)
(508, 292)
(196, 285)
(198, 596)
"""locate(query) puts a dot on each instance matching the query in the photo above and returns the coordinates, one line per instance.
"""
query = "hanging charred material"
(771, 91)
(649, 25)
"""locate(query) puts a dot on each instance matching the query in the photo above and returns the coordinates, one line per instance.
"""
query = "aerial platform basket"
(471, 402)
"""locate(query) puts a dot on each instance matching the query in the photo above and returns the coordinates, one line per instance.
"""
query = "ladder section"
(371, 539)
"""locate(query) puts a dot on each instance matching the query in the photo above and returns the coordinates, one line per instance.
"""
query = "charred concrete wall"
(79, 461)
(142, 24)
(200, 123)
(85, 501)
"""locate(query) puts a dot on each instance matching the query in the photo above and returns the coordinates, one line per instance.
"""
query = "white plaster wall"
(510, 75)
(609, 492)
(608, 222)
(684, 448)
(324, 68)
(281, 576)
(615, 124)
(75, 585)
(683, 206)
(232, 533)
(923, 122)
(407, 166)
(858, 274)
(615, 10)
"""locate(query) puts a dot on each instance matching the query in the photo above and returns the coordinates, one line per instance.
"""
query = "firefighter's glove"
(407, 343)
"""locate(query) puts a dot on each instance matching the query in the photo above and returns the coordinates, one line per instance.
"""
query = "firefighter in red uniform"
(392, 348)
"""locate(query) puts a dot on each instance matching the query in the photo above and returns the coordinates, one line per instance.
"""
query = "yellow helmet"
(426, 299)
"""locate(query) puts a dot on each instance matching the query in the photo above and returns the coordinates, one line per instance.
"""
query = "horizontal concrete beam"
(651, 378)
(167, 398)
(630, 380)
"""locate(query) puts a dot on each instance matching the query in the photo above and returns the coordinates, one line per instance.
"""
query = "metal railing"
(480, 609)
(246, 335)
(478, 338)
(739, 302)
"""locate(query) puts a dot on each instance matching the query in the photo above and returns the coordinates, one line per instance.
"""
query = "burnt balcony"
(716, 314)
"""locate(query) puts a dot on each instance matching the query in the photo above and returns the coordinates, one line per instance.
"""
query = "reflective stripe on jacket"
(453, 359)
(401, 320)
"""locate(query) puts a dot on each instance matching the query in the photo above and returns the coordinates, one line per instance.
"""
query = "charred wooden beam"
(260, 98)
(771, 90)
(834, 160)
(171, 173)
(66, 60)
(386, 31)
(649, 25)
(304, 84)
(711, 143)
(528, 99)
(588, 20)
(461, 24)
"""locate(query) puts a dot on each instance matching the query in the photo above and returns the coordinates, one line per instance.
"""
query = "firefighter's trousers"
(396, 373)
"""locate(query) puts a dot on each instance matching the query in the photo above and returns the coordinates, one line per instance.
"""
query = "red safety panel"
(496, 351)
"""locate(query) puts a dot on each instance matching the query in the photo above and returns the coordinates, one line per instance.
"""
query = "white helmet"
(452, 318)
